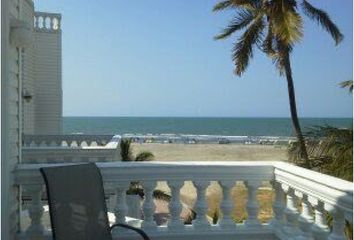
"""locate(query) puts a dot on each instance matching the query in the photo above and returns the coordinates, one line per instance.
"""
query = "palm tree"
(347, 84)
(274, 26)
(127, 155)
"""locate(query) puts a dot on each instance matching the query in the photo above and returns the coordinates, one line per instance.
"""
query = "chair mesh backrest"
(76, 202)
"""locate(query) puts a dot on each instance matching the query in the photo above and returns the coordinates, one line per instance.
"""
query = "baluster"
(306, 218)
(252, 203)
(120, 210)
(59, 23)
(36, 21)
(278, 205)
(175, 205)
(148, 206)
(291, 213)
(227, 204)
(320, 229)
(51, 22)
(36, 229)
(338, 225)
(201, 206)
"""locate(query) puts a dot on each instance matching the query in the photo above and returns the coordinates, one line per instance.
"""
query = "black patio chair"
(77, 203)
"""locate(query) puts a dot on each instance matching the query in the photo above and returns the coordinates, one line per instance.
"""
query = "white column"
(36, 229)
(120, 210)
(227, 204)
(278, 205)
(320, 229)
(338, 225)
(252, 203)
(201, 221)
(175, 205)
(291, 213)
(148, 206)
(306, 218)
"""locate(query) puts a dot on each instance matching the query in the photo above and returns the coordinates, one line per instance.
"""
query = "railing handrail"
(162, 171)
(68, 138)
(330, 190)
(47, 14)
(326, 188)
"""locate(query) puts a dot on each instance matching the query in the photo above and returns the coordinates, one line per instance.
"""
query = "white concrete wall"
(48, 84)
(41, 74)
(10, 120)
(28, 73)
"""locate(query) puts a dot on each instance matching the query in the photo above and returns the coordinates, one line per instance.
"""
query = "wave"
(200, 139)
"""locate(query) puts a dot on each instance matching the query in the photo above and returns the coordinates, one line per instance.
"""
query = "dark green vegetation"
(274, 27)
(330, 151)
(127, 155)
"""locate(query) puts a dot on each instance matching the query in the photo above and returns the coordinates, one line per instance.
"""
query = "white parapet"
(325, 194)
(70, 148)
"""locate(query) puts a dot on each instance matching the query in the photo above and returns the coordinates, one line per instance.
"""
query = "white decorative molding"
(117, 177)
(47, 22)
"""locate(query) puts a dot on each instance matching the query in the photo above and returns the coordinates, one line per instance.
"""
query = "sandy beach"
(213, 152)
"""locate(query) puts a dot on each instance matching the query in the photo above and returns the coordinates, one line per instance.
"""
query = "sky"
(159, 58)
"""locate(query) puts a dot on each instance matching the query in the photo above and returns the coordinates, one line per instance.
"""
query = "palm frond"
(330, 150)
(222, 5)
(282, 51)
(323, 19)
(242, 20)
(268, 43)
(287, 26)
(144, 156)
(234, 4)
(347, 84)
(125, 150)
(243, 49)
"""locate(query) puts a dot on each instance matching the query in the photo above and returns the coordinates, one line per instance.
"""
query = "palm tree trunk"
(294, 118)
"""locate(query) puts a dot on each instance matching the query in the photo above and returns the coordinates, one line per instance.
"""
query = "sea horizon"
(225, 126)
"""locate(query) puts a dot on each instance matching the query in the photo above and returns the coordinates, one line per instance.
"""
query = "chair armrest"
(138, 230)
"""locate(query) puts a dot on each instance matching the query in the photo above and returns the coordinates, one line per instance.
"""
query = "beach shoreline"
(212, 152)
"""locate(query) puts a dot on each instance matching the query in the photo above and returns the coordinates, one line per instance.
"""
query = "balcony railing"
(302, 199)
(69, 140)
(47, 22)
(70, 148)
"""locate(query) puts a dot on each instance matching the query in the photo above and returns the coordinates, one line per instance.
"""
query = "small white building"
(41, 72)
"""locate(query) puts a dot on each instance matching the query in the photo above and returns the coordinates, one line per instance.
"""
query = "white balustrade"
(148, 206)
(317, 192)
(49, 22)
(65, 140)
(291, 212)
(175, 205)
(120, 210)
(35, 210)
(201, 205)
(252, 203)
(59, 148)
(227, 204)
(278, 205)
(320, 228)
(306, 218)
(338, 225)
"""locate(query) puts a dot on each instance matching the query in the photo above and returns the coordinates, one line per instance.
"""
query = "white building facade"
(31, 92)
(42, 74)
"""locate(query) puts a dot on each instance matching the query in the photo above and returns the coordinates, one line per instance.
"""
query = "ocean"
(194, 125)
